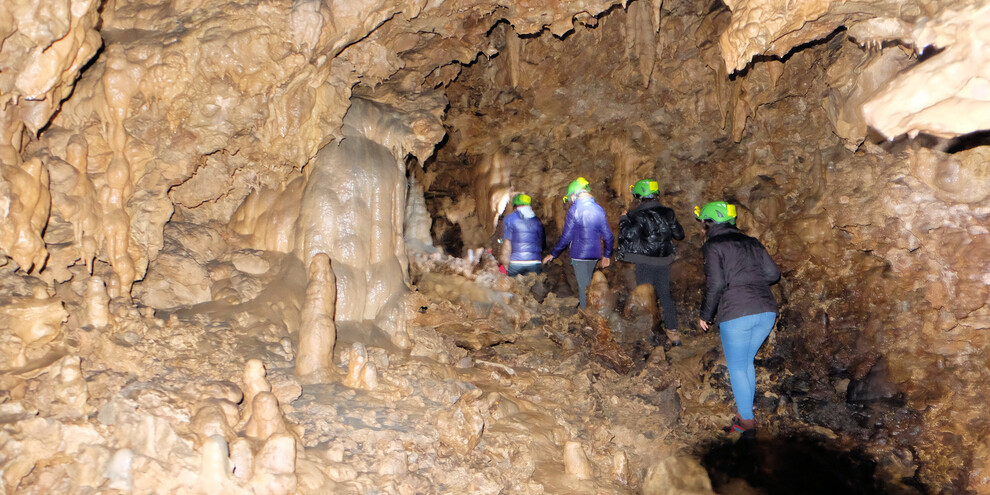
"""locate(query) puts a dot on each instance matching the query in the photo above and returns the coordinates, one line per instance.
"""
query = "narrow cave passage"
(253, 247)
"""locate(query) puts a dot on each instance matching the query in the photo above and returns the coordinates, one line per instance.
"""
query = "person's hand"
(703, 324)
(548, 258)
(606, 262)
(624, 212)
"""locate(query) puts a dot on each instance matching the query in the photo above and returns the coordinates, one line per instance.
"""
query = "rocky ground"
(506, 388)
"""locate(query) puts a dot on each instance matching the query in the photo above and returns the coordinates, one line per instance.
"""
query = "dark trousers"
(659, 278)
(583, 271)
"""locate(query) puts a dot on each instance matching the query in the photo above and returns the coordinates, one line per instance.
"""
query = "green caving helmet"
(717, 211)
(522, 200)
(646, 188)
(576, 186)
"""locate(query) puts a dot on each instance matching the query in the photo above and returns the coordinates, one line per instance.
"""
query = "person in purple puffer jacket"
(588, 235)
(522, 239)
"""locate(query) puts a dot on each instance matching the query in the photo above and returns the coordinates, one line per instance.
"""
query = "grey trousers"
(583, 270)
(659, 278)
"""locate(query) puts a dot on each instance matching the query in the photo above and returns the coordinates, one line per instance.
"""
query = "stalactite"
(81, 209)
(120, 84)
(641, 39)
(513, 44)
(27, 213)
(491, 188)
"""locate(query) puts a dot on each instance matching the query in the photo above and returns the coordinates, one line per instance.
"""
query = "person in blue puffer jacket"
(522, 239)
(587, 233)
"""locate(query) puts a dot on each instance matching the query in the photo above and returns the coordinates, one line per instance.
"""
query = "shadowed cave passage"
(796, 464)
(250, 247)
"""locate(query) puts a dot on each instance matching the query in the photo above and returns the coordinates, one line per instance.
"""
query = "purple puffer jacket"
(585, 227)
(526, 236)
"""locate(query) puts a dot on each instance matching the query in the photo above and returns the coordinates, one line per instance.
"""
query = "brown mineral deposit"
(317, 332)
(677, 475)
(620, 467)
(576, 461)
(642, 303)
(603, 343)
(462, 426)
(601, 299)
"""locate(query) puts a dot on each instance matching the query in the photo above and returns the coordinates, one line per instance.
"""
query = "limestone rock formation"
(576, 462)
(254, 382)
(31, 323)
(676, 475)
(462, 426)
(317, 332)
(266, 417)
(361, 373)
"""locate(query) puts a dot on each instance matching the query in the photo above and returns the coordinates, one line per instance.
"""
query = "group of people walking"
(738, 269)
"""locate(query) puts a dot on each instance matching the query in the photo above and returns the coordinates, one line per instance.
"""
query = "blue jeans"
(741, 339)
(515, 269)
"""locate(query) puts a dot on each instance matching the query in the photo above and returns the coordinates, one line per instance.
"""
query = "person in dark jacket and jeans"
(738, 273)
(646, 236)
(588, 235)
(522, 239)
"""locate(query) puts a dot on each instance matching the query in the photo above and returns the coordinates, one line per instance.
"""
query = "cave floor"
(481, 403)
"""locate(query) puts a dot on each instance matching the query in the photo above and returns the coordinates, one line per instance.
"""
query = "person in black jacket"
(646, 236)
(738, 273)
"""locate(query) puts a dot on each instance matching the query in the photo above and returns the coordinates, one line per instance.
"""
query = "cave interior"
(253, 246)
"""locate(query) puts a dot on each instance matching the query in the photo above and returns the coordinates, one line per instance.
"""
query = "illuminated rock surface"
(247, 247)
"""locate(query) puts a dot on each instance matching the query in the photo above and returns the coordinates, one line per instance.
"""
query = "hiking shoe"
(674, 337)
(746, 431)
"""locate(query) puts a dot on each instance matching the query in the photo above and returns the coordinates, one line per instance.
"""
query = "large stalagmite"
(350, 206)
(317, 332)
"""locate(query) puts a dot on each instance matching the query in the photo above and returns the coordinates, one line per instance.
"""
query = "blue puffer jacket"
(526, 236)
(585, 227)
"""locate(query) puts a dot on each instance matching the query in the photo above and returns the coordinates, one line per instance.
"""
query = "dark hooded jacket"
(738, 272)
(648, 230)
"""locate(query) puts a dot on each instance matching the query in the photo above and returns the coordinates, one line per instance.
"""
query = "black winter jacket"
(739, 272)
(649, 230)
